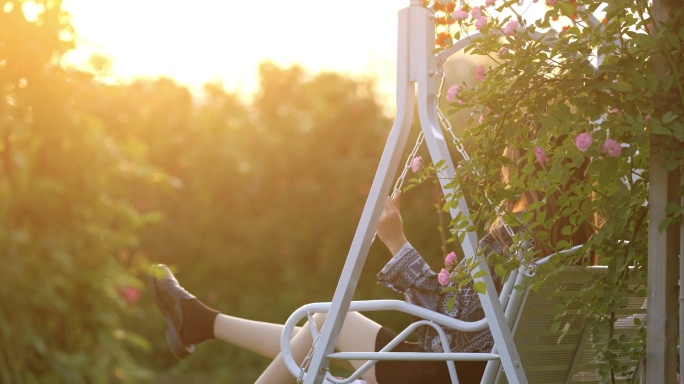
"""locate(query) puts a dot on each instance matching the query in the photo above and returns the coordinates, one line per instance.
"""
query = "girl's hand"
(391, 226)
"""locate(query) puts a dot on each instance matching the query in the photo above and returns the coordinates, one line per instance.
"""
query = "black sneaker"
(167, 294)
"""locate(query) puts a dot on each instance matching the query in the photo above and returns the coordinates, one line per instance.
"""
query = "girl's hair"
(531, 196)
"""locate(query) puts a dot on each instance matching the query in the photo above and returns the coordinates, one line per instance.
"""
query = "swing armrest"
(434, 319)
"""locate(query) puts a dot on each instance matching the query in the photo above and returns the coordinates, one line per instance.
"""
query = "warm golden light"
(208, 40)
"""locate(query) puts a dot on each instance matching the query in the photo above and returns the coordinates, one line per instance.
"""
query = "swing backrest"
(545, 356)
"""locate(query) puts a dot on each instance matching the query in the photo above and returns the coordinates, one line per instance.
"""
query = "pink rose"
(416, 163)
(551, 3)
(612, 148)
(480, 73)
(482, 117)
(480, 22)
(511, 27)
(540, 154)
(443, 277)
(583, 141)
(128, 293)
(489, 3)
(647, 118)
(476, 12)
(503, 51)
(460, 15)
(649, 26)
(450, 259)
(452, 92)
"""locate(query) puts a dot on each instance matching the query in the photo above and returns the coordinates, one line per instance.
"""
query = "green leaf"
(673, 209)
(652, 81)
(479, 274)
(567, 8)
(667, 82)
(621, 86)
(668, 117)
(664, 224)
(500, 270)
(638, 80)
(480, 287)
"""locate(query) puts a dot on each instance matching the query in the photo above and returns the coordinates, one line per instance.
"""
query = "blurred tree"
(63, 219)
(254, 203)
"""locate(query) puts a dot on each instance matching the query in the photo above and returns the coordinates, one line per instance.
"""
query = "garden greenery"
(576, 92)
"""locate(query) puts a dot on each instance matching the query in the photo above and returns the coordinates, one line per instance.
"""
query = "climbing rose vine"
(578, 87)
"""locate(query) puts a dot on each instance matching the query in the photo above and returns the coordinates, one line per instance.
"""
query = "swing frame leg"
(363, 238)
(416, 64)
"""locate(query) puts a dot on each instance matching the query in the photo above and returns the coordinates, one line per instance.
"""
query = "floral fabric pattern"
(409, 274)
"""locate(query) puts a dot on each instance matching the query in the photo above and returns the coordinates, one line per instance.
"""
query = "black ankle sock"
(198, 321)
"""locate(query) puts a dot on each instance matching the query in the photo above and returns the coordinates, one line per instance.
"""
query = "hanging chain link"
(400, 180)
(445, 125)
(315, 335)
(307, 361)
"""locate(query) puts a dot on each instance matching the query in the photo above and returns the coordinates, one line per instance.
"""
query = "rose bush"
(574, 87)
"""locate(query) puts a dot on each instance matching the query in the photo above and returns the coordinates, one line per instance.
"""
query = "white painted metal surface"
(416, 65)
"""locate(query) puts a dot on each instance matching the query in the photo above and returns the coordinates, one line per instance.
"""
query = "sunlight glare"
(209, 40)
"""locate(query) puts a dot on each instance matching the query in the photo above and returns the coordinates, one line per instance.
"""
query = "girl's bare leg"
(255, 336)
(358, 334)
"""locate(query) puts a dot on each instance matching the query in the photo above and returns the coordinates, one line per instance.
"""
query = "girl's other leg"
(357, 335)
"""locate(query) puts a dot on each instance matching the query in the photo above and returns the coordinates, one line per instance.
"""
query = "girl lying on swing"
(191, 322)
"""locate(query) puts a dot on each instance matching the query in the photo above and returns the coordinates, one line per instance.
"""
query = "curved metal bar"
(368, 306)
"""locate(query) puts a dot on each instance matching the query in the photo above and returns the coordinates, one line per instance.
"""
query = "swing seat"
(530, 314)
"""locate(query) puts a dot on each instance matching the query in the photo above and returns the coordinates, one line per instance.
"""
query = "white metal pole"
(422, 43)
(365, 231)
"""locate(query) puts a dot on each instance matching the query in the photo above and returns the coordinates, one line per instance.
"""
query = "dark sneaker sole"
(173, 337)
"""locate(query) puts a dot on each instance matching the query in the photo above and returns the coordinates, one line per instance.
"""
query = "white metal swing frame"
(417, 68)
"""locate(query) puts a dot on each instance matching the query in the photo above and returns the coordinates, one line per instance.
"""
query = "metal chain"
(458, 144)
(400, 181)
(307, 360)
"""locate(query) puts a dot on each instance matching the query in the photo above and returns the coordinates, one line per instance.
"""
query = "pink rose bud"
(129, 294)
(480, 22)
(460, 15)
(480, 73)
(450, 259)
(551, 3)
(503, 51)
(647, 118)
(443, 277)
(489, 3)
(452, 92)
(482, 117)
(511, 27)
(540, 154)
(583, 141)
(416, 163)
(476, 12)
(612, 148)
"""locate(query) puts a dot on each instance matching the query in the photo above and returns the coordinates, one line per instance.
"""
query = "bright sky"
(206, 40)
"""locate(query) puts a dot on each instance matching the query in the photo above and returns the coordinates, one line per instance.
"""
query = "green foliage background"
(253, 203)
